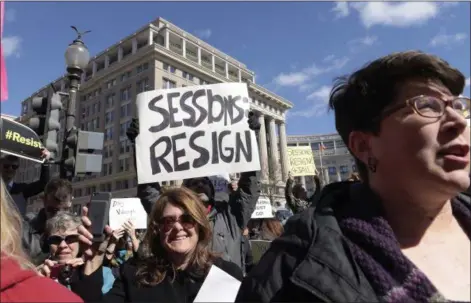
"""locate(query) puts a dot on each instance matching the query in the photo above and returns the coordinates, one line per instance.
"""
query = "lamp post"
(77, 58)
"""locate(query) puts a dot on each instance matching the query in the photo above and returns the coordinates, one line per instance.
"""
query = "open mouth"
(456, 150)
(180, 238)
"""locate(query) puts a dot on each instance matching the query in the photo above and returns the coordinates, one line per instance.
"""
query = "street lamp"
(76, 59)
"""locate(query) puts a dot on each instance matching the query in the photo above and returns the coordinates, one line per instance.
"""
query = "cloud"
(204, 33)
(447, 40)
(397, 14)
(468, 82)
(300, 78)
(341, 9)
(10, 15)
(356, 45)
(11, 46)
(319, 106)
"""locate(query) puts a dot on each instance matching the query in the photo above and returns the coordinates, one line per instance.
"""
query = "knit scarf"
(375, 249)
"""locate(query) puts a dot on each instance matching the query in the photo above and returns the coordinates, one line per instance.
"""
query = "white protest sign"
(193, 131)
(263, 209)
(122, 210)
(220, 182)
(218, 286)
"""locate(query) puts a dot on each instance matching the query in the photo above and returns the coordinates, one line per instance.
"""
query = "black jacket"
(29, 190)
(33, 238)
(125, 289)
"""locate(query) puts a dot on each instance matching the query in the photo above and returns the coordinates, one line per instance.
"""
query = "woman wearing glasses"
(401, 234)
(64, 247)
(174, 260)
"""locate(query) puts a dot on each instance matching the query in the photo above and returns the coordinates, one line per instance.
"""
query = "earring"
(372, 164)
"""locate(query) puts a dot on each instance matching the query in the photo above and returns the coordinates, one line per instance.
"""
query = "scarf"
(376, 250)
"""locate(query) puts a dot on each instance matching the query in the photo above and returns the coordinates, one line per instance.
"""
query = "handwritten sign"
(193, 131)
(259, 247)
(263, 209)
(220, 182)
(122, 210)
(218, 286)
(20, 140)
(301, 161)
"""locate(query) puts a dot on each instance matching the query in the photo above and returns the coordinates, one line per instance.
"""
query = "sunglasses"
(167, 223)
(12, 166)
(56, 240)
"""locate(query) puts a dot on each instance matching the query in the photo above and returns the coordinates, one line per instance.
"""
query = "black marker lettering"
(239, 146)
(214, 140)
(190, 122)
(153, 107)
(154, 159)
(225, 158)
(204, 154)
(178, 154)
(172, 110)
(240, 111)
(204, 113)
(211, 100)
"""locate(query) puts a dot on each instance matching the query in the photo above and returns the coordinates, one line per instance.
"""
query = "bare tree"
(272, 187)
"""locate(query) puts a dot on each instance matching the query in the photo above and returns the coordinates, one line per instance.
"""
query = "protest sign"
(193, 131)
(259, 247)
(220, 182)
(122, 210)
(263, 209)
(20, 140)
(301, 161)
(218, 286)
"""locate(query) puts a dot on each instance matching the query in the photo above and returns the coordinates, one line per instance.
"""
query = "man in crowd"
(57, 197)
(20, 192)
(228, 214)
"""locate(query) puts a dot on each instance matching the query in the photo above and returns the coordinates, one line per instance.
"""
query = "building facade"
(333, 162)
(159, 55)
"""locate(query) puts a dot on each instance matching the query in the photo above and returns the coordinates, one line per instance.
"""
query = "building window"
(344, 169)
(109, 133)
(123, 165)
(328, 144)
(142, 67)
(332, 170)
(110, 100)
(142, 85)
(125, 110)
(187, 76)
(126, 94)
(166, 67)
(168, 83)
(109, 118)
(125, 76)
(123, 128)
(111, 83)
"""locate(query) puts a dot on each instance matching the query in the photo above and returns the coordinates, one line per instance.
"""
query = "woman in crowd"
(64, 246)
(403, 233)
(354, 177)
(267, 229)
(19, 280)
(174, 259)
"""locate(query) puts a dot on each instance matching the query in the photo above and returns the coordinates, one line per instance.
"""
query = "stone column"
(150, 40)
(107, 61)
(284, 151)
(199, 55)
(134, 45)
(273, 149)
(120, 53)
(239, 75)
(227, 70)
(167, 39)
(93, 68)
(184, 47)
(262, 145)
(213, 63)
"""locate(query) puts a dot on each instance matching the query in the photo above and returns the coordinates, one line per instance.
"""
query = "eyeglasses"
(167, 223)
(432, 107)
(56, 240)
(12, 166)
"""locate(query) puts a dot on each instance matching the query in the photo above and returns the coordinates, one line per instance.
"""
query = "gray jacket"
(33, 238)
(229, 214)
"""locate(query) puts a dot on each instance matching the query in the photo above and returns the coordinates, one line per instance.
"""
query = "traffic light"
(38, 122)
(53, 124)
(82, 153)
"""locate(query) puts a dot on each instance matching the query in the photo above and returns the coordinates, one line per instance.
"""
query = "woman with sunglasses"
(174, 258)
(64, 247)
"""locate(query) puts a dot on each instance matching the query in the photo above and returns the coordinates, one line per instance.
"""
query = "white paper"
(122, 210)
(218, 286)
(263, 208)
(178, 141)
(220, 182)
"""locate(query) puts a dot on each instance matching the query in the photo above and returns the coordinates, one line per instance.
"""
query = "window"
(123, 128)
(108, 117)
(142, 85)
(168, 83)
(109, 133)
(125, 110)
(110, 100)
(344, 169)
(339, 144)
(123, 165)
(142, 67)
(187, 75)
(126, 94)
(125, 76)
(173, 69)
(166, 66)
(328, 144)
(111, 83)
(315, 146)
(332, 170)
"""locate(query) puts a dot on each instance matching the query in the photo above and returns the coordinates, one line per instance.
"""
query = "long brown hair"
(153, 264)
(272, 227)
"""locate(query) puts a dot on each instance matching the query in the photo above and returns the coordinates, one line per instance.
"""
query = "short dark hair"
(360, 98)
(10, 158)
(61, 189)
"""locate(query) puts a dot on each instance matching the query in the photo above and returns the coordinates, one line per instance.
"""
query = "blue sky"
(296, 49)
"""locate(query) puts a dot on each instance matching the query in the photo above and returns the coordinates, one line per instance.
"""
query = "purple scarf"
(375, 249)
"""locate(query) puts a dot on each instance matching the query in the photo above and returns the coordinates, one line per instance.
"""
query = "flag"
(3, 70)
(322, 147)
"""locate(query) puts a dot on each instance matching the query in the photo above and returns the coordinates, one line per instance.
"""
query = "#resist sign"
(191, 132)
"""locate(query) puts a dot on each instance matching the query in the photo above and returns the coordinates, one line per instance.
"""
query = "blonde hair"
(11, 226)
(154, 265)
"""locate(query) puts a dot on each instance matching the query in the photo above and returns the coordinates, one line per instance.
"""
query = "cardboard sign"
(122, 210)
(194, 131)
(301, 161)
(259, 247)
(220, 182)
(21, 141)
(218, 286)
(263, 209)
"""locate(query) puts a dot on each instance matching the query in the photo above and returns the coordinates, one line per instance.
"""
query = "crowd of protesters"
(397, 231)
